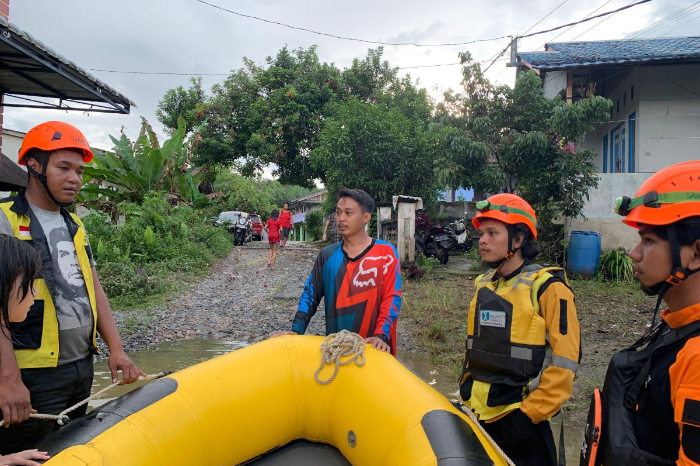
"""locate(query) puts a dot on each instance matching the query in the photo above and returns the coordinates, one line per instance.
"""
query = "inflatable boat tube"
(262, 405)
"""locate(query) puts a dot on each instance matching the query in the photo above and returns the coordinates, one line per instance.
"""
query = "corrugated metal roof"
(607, 52)
(10, 28)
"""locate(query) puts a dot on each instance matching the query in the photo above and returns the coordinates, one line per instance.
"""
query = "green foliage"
(276, 115)
(379, 149)
(241, 193)
(185, 103)
(314, 224)
(528, 140)
(616, 265)
(426, 263)
(135, 258)
(142, 166)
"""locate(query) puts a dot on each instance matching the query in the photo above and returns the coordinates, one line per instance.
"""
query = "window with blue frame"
(605, 153)
(630, 153)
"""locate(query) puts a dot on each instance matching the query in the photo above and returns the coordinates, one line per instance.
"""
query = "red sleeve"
(685, 398)
(391, 296)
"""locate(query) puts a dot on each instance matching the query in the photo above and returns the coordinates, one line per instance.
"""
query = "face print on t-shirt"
(68, 263)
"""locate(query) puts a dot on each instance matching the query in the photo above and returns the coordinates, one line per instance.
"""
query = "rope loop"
(337, 346)
(62, 418)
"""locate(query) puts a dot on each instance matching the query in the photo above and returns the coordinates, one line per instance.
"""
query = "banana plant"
(135, 168)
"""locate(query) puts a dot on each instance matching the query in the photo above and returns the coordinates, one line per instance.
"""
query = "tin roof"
(561, 55)
(30, 68)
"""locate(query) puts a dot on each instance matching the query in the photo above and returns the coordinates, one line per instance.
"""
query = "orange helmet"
(668, 196)
(54, 135)
(508, 208)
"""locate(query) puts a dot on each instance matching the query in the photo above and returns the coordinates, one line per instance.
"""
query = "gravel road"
(240, 300)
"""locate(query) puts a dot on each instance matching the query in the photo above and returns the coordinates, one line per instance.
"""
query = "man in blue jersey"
(358, 278)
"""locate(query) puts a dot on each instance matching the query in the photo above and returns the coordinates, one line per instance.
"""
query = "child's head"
(19, 266)
(275, 213)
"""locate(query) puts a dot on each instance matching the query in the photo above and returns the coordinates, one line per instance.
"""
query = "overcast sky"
(190, 37)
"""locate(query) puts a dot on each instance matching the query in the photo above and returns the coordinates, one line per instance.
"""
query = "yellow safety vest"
(36, 339)
(506, 339)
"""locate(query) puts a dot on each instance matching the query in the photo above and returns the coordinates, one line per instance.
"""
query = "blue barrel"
(583, 254)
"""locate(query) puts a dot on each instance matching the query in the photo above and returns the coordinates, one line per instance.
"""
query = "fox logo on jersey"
(366, 273)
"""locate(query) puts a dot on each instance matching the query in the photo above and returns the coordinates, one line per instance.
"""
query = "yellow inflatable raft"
(261, 405)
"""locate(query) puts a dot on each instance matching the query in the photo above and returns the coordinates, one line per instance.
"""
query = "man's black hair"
(39, 155)
(19, 260)
(687, 230)
(361, 197)
(529, 248)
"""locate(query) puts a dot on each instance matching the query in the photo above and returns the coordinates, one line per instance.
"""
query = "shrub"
(314, 224)
(616, 265)
(136, 256)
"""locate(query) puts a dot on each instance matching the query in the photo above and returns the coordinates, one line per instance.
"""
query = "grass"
(611, 315)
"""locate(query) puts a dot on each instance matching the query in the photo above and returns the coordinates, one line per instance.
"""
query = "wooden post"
(383, 214)
(406, 227)
(569, 86)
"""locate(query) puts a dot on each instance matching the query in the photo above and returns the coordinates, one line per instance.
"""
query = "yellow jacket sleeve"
(553, 386)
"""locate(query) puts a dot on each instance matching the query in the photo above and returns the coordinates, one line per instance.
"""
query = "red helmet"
(52, 136)
(508, 208)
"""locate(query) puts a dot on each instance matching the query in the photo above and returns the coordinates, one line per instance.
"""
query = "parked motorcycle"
(463, 230)
(436, 242)
(242, 227)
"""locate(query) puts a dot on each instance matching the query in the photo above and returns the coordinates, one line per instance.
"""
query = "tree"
(182, 103)
(272, 115)
(138, 167)
(529, 142)
(377, 149)
(241, 193)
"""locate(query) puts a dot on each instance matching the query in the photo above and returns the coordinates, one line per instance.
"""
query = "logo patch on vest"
(492, 319)
(24, 231)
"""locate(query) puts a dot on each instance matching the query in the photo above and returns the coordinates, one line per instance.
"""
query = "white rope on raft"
(339, 345)
(62, 417)
(343, 344)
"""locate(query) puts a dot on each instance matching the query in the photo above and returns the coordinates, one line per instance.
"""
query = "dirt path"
(240, 300)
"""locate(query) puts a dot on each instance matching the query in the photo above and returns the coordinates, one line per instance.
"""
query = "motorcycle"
(240, 235)
(463, 230)
(436, 242)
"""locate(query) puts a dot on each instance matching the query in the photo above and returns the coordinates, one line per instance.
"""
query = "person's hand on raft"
(119, 361)
(281, 334)
(378, 343)
(24, 458)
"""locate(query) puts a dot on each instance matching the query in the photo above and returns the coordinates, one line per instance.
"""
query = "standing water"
(177, 355)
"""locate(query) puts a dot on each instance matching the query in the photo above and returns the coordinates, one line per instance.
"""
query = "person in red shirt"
(286, 223)
(661, 407)
(272, 227)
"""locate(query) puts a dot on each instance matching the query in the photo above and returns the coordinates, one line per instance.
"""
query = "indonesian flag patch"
(24, 232)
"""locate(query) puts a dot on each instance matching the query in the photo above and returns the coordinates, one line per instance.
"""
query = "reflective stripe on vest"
(37, 342)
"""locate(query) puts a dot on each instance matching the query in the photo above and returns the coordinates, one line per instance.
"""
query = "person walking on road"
(286, 223)
(272, 227)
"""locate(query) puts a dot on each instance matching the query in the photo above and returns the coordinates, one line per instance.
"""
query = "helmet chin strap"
(676, 277)
(45, 182)
(511, 251)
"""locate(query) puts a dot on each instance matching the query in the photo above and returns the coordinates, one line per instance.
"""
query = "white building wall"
(554, 83)
(666, 104)
(670, 104)
(599, 210)
(11, 142)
